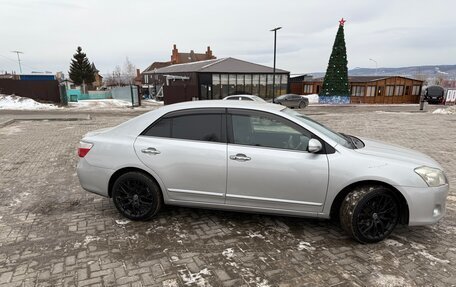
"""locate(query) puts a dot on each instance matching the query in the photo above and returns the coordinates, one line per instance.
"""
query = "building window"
(399, 90)
(224, 84)
(389, 91)
(146, 79)
(262, 92)
(416, 90)
(370, 91)
(308, 89)
(240, 83)
(248, 84)
(357, 91)
(283, 85)
(216, 93)
(256, 85)
(231, 84)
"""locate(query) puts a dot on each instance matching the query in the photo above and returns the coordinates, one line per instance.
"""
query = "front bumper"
(92, 178)
(427, 205)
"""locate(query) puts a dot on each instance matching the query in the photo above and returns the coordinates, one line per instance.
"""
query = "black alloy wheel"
(136, 196)
(369, 214)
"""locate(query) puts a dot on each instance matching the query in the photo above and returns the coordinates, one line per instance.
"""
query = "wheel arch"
(124, 170)
(403, 205)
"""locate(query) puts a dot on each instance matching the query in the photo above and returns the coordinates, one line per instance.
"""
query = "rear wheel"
(136, 196)
(302, 105)
(369, 213)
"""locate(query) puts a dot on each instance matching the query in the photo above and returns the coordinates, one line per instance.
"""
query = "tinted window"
(265, 131)
(246, 99)
(233, 98)
(162, 128)
(198, 127)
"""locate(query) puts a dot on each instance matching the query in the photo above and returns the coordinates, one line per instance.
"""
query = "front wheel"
(302, 105)
(369, 213)
(136, 196)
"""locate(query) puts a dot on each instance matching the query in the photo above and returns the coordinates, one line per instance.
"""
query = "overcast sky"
(393, 33)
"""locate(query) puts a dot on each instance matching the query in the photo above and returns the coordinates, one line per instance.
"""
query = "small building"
(368, 89)
(216, 79)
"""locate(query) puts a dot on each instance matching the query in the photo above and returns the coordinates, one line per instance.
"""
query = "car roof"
(223, 104)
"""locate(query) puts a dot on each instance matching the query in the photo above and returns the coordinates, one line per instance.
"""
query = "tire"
(136, 196)
(302, 105)
(369, 213)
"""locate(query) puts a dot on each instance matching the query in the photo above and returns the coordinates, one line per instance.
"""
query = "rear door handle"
(150, 150)
(240, 157)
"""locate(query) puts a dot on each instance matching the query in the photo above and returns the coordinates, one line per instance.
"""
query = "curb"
(8, 122)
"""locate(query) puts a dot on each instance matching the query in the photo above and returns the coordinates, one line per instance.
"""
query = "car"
(434, 95)
(245, 98)
(292, 101)
(242, 156)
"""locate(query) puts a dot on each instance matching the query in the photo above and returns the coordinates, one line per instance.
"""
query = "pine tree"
(336, 77)
(81, 71)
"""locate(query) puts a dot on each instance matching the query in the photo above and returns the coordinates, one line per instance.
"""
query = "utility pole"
(273, 70)
(376, 65)
(18, 59)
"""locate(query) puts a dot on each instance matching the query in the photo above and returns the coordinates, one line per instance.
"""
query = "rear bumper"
(427, 205)
(93, 179)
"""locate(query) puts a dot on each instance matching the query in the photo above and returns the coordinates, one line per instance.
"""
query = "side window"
(246, 99)
(200, 127)
(162, 128)
(265, 131)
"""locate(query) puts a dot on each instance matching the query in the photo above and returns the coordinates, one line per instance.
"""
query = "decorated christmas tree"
(335, 85)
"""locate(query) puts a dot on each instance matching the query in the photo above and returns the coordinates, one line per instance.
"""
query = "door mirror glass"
(314, 146)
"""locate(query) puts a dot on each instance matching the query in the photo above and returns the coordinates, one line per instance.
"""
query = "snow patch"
(446, 111)
(122, 221)
(392, 242)
(22, 103)
(197, 278)
(170, 283)
(228, 253)
(255, 234)
(389, 281)
(432, 257)
(99, 104)
(305, 245)
(87, 240)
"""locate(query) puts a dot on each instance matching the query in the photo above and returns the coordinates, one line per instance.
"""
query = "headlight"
(432, 176)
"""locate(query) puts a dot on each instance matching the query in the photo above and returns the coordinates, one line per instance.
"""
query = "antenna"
(18, 59)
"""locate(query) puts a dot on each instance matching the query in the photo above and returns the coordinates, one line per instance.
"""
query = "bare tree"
(129, 71)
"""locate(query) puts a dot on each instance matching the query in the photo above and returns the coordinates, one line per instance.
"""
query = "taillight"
(84, 148)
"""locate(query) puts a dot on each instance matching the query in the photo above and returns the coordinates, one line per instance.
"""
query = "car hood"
(395, 152)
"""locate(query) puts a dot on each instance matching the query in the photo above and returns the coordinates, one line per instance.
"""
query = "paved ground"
(53, 233)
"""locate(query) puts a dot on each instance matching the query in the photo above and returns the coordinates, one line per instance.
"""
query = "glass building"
(216, 79)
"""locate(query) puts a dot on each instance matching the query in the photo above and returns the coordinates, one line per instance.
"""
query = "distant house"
(367, 89)
(179, 58)
(98, 78)
(216, 79)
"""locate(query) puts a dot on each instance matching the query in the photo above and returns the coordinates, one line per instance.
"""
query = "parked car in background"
(245, 98)
(265, 158)
(434, 94)
(292, 101)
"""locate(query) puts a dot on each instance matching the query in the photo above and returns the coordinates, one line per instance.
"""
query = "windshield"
(321, 128)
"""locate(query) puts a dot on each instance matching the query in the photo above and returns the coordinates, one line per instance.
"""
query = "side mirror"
(314, 146)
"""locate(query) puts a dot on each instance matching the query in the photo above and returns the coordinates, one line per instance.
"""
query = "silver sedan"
(237, 155)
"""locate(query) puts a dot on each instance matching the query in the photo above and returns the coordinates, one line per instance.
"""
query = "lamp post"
(376, 65)
(273, 70)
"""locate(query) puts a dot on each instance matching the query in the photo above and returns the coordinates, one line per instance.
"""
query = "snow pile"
(446, 111)
(99, 104)
(21, 103)
(313, 98)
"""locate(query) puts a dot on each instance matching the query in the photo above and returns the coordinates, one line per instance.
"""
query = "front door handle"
(150, 150)
(240, 157)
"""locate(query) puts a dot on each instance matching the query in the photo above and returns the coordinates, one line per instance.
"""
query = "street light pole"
(376, 65)
(18, 59)
(274, 68)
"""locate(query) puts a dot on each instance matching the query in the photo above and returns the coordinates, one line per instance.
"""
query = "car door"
(187, 150)
(269, 167)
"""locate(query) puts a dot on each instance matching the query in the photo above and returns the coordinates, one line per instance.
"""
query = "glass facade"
(255, 84)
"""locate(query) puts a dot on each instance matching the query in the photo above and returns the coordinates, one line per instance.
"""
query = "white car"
(245, 98)
(243, 156)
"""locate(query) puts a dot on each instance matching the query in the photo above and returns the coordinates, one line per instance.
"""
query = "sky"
(392, 33)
